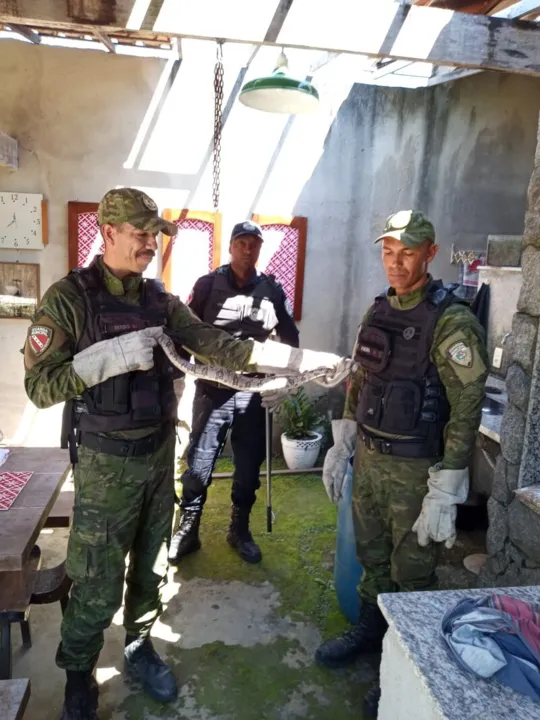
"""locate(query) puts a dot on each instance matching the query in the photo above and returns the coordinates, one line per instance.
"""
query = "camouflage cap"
(411, 227)
(129, 205)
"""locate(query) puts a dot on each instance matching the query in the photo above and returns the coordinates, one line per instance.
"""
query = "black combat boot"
(240, 538)
(81, 696)
(365, 637)
(186, 540)
(371, 700)
(143, 664)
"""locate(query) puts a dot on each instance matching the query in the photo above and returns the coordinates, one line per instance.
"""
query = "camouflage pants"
(387, 499)
(122, 505)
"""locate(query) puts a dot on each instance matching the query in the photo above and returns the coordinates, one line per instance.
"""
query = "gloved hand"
(437, 521)
(271, 356)
(272, 399)
(335, 462)
(122, 354)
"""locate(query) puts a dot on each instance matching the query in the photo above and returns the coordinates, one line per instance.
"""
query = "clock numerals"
(34, 232)
(14, 197)
(33, 211)
(3, 239)
(37, 221)
(15, 243)
(27, 240)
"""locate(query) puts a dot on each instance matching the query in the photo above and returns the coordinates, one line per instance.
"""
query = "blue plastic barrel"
(347, 569)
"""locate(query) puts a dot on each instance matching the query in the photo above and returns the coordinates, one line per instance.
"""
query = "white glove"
(437, 521)
(272, 399)
(122, 354)
(335, 462)
(271, 356)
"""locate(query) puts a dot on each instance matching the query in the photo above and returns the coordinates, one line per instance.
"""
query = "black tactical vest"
(402, 393)
(250, 315)
(132, 400)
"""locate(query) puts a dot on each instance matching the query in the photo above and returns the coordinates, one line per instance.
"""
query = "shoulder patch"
(461, 354)
(39, 338)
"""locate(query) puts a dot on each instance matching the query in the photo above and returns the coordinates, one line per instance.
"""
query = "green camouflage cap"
(411, 227)
(128, 205)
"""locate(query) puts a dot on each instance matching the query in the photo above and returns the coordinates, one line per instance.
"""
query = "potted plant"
(300, 442)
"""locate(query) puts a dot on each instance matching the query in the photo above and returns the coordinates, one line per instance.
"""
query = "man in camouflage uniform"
(93, 341)
(412, 412)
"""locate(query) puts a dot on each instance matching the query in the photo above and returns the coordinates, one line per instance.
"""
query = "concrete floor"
(240, 638)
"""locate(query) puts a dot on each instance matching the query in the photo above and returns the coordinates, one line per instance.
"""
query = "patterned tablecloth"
(11, 484)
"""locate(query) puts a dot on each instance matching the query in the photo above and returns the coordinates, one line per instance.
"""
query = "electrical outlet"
(497, 357)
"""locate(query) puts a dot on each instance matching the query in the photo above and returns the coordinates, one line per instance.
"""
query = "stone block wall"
(514, 528)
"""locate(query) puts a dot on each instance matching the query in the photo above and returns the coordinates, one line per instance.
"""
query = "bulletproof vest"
(131, 400)
(241, 312)
(402, 394)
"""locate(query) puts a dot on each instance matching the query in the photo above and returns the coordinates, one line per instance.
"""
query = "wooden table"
(14, 695)
(22, 523)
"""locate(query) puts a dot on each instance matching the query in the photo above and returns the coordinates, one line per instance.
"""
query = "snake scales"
(282, 384)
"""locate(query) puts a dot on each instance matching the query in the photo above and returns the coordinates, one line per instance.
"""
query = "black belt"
(127, 448)
(399, 448)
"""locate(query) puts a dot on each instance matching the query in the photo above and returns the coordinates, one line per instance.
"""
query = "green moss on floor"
(297, 554)
(236, 683)
(278, 679)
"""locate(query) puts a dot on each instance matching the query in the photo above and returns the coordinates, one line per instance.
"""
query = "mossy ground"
(260, 682)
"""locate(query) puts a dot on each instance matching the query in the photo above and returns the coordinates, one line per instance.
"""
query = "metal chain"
(218, 122)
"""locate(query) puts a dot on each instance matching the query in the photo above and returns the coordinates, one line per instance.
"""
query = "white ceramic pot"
(301, 454)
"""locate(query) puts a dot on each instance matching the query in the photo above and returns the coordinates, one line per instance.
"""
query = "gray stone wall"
(514, 529)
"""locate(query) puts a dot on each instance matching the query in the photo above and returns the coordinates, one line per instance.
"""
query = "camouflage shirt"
(49, 374)
(456, 329)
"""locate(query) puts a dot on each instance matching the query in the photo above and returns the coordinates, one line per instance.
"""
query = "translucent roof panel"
(241, 19)
(340, 24)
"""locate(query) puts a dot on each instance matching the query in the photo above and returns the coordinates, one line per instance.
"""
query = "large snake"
(278, 385)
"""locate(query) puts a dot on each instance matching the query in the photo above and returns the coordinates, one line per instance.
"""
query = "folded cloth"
(497, 636)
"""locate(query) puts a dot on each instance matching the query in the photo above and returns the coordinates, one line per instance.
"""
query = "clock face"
(21, 221)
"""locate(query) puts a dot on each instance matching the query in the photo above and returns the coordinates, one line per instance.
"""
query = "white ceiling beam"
(376, 28)
(518, 10)
(390, 68)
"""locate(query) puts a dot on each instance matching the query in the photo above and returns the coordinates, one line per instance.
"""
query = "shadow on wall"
(461, 152)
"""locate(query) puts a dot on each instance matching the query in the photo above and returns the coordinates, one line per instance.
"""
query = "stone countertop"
(416, 619)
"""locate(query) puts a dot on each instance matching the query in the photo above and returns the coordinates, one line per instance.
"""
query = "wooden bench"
(14, 696)
(21, 589)
(62, 512)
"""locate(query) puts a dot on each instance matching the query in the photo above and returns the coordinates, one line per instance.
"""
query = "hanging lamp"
(280, 93)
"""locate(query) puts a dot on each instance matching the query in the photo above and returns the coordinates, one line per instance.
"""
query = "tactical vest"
(242, 315)
(132, 400)
(402, 394)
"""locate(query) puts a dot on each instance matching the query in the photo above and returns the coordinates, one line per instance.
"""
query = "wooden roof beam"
(26, 32)
(376, 28)
(106, 40)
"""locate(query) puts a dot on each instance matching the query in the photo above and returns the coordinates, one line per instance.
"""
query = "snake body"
(268, 384)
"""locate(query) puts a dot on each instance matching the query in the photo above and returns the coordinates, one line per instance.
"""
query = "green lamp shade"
(280, 93)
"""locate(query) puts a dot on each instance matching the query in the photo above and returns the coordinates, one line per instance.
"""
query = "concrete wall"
(463, 153)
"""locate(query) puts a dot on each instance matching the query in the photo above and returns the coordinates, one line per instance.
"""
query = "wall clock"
(23, 221)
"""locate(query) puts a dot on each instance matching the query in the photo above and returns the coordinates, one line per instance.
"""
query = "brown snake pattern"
(282, 384)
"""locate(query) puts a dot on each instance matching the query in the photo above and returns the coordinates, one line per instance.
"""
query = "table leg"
(5, 651)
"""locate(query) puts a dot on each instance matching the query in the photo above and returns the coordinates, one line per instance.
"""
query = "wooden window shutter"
(195, 251)
(284, 254)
